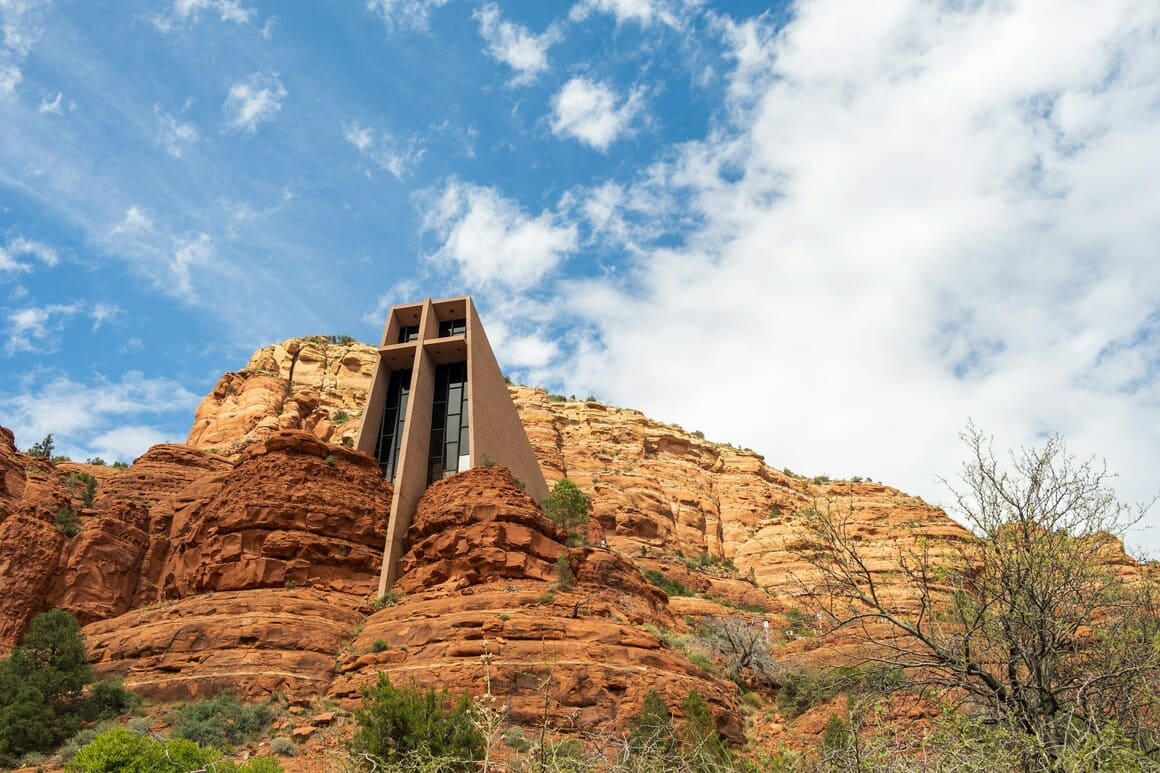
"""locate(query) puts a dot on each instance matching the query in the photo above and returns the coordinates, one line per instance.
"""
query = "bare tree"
(742, 644)
(1039, 624)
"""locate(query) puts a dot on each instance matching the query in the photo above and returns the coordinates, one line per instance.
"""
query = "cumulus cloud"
(515, 45)
(384, 150)
(88, 418)
(588, 111)
(916, 216)
(404, 15)
(491, 241)
(253, 101)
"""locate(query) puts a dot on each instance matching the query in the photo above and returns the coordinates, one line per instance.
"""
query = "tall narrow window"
(449, 452)
(408, 333)
(394, 417)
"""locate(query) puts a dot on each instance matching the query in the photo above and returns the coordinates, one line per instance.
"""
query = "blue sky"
(829, 231)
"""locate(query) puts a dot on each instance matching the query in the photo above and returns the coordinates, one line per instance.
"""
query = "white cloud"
(643, 12)
(919, 215)
(491, 241)
(515, 45)
(253, 101)
(100, 313)
(20, 246)
(20, 29)
(587, 110)
(384, 150)
(10, 79)
(189, 253)
(183, 11)
(88, 419)
(51, 107)
(173, 134)
(134, 222)
(404, 15)
(36, 327)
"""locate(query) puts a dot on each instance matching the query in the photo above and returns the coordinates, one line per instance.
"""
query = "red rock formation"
(477, 573)
(294, 511)
(253, 643)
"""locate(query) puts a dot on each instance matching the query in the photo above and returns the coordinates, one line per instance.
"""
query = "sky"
(831, 232)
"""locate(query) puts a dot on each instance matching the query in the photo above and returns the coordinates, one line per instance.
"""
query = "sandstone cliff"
(247, 558)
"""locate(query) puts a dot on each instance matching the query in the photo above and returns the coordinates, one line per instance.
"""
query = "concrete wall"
(496, 430)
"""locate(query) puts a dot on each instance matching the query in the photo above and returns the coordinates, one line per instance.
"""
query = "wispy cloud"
(52, 106)
(22, 247)
(384, 150)
(186, 11)
(404, 15)
(516, 45)
(189, 254)
(35, 328)
(134, 222)
(643, 12)
(491, 241)
(253, 101)
(590, 112)
(88, 418)
(20, 29)
(173, 134)
(100, 313)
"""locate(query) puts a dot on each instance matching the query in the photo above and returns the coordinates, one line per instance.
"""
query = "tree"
(567, 506)
(404, 728)
(1030, 625)
(42, 686)
(43, 448)
(743, 645)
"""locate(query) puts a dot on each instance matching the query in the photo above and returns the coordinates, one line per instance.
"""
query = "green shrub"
(68, 522)
(565, 577)
(551, 399)
(341, 340)
(331, 460)
(339, 417)
(566, 505)
(380, 645)
(120, 466)
(802, 689)
(120, 751)
(389, 598)
(42, 687)
(283, 746)
(109, 698)
(88, 486)
(397, 725)
(95, 461)
(670, 587)
(222, 721)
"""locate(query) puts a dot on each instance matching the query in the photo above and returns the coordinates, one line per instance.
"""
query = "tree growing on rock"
(567, 506)
(1032, 626)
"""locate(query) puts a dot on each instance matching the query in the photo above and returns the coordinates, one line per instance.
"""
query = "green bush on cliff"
(404, 728)
(120, 751)
(567, 506)
(222, 721)
(42, 688)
